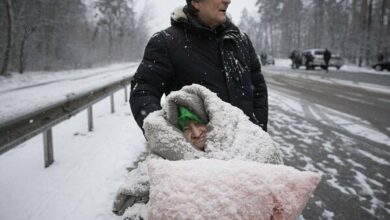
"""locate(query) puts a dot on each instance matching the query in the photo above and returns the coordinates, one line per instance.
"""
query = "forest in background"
(358, 30)
(56, 34)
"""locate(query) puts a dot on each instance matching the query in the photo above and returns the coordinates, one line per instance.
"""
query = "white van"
(317, 58)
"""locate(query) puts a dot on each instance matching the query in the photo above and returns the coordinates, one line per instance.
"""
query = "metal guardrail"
(17, 131)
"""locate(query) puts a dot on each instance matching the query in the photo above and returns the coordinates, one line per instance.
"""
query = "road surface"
(339, 130)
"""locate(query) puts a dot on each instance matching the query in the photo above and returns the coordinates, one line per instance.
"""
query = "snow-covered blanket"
(230, 135)
(229, 190)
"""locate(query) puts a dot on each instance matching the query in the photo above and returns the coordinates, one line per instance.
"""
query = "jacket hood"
(184, 17)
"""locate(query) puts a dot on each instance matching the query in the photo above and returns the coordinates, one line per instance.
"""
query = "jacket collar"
(186, 18)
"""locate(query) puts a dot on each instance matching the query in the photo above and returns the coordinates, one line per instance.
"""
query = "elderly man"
(202, 46)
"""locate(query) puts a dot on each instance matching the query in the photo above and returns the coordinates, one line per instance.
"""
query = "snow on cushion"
(215, 189)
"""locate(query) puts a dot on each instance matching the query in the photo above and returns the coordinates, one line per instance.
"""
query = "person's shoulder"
(159, 37)
(167, 34)
(244, 37)
(231, 27)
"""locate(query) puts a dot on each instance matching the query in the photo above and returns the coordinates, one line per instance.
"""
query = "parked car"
(385, 65)
(266, 59)
(336, 61)
(270, 60)
(296, 59)
(313, 58)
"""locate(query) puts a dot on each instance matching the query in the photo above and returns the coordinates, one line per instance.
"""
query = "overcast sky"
(162, 9)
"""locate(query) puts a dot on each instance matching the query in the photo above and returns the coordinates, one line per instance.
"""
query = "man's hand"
(122, 202)
(134, 190)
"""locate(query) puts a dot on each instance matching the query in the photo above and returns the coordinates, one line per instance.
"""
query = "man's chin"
(223, 20)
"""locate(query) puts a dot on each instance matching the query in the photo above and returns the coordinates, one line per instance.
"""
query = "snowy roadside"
(88, 168)
(27, 79)
(22, 94)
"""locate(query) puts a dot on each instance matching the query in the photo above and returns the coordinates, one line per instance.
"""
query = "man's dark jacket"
(223, 60)
(327, 55)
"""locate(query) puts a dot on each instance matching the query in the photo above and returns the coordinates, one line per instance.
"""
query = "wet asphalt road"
(355, 167)
(382, 78)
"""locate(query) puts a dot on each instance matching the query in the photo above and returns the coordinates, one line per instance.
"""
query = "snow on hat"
(186, 115)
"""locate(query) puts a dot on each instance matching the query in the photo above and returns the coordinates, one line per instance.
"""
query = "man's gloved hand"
(138, 211)
(134, 190)
(122, 202)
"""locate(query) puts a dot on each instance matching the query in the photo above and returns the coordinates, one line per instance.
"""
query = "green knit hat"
(186, 115)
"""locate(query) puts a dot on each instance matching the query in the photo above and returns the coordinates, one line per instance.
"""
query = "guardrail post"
(90, 118)
(48, 147)
(112, 103)
(22, 129)
(126, 94)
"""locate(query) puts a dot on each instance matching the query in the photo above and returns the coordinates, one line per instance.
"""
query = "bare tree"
(368, 33)
(251, 27)
(61, 35)
(140, 33)
(114, 16)
(357, 29)
(291, 22)
(27, 24)
(8, 47)
(269, 12)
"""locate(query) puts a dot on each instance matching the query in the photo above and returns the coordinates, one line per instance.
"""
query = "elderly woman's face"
(195, 133)
(212, 12)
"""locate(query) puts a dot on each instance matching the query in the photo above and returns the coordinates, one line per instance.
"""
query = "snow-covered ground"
(330, 117)
(283, 66)
(89, 166)
(86, 163)
(317, 138)
(22, 94)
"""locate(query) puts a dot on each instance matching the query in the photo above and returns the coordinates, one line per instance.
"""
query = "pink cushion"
(215, 189)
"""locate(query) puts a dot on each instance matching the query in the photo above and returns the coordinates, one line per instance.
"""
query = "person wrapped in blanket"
(194, 123)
